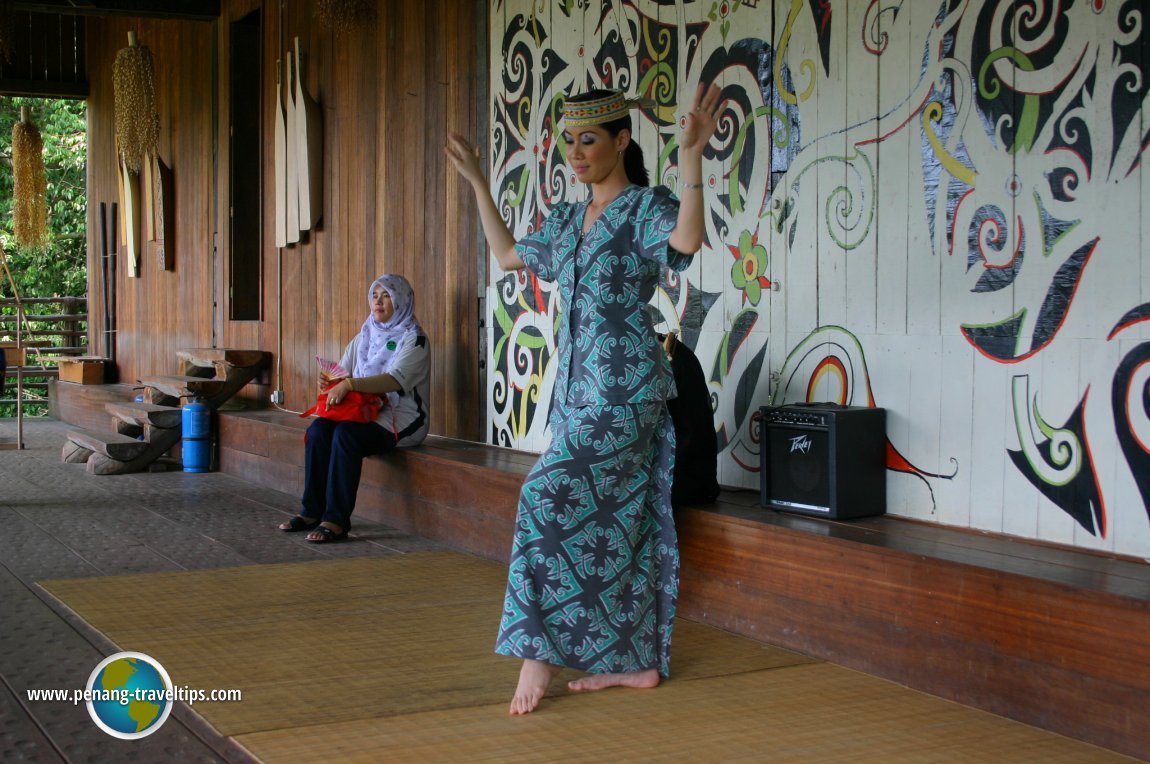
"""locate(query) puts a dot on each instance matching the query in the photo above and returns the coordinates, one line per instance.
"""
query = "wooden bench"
(458, 492)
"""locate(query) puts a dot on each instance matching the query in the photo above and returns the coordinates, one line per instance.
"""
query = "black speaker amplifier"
(823, 459)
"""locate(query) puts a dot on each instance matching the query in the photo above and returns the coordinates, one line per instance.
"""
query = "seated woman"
(389, 357)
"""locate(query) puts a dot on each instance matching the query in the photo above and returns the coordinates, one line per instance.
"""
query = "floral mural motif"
(948, 195)
(748, 272)
(722, 12)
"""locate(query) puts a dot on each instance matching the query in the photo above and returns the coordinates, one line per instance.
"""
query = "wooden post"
(70, 331)
(20, 361)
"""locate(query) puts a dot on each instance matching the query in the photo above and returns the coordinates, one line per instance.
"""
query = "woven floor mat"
(341, 640)
(802, 714)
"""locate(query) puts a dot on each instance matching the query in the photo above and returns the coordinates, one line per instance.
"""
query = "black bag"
(696, 445)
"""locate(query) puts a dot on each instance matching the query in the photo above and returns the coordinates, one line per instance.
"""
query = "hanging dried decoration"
(137, 122)
(343, 16)
(29, 192)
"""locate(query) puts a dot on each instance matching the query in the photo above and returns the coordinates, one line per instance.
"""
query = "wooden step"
(183, 387)
(127, 428)
(120, 448)
(241, 359)
(146, 413)
(213, 374)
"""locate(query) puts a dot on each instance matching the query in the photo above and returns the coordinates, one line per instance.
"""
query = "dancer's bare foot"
(640, 679)
(534, 678)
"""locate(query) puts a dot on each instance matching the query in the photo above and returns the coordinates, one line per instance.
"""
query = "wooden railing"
(52, 327)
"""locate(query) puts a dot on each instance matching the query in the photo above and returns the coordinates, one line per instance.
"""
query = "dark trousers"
(333, 463)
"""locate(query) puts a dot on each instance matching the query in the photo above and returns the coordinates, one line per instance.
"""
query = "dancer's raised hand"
(465, 157)
(702, 119)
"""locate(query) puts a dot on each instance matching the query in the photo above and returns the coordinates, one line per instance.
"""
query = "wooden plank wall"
(390, 92)
(161, 311)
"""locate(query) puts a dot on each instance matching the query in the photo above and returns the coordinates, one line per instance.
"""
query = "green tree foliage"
(59, 268)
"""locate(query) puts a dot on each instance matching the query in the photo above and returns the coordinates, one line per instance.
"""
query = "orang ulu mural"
(936, 207)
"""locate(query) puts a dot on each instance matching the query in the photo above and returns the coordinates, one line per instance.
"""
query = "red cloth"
(353, 407)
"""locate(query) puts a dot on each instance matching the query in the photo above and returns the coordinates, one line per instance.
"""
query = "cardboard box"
(84, 371)
(14, 356)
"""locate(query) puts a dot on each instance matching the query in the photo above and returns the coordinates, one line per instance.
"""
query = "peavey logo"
(801, 443)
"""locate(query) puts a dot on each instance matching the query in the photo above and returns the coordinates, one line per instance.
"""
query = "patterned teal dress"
(594, 571)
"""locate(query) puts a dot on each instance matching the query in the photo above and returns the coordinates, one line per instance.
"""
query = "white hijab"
(379, 341)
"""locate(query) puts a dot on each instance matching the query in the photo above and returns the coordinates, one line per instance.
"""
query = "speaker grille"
(798, 466)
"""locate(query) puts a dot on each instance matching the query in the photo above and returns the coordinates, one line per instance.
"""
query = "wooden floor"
(192, 564)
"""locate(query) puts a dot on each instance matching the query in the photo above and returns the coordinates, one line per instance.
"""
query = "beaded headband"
(598, 111)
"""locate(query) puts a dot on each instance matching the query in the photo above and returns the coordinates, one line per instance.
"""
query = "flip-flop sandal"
(327, 536)
(299, 523)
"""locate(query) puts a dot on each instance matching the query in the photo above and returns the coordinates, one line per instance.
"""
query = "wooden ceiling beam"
(202, 10)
